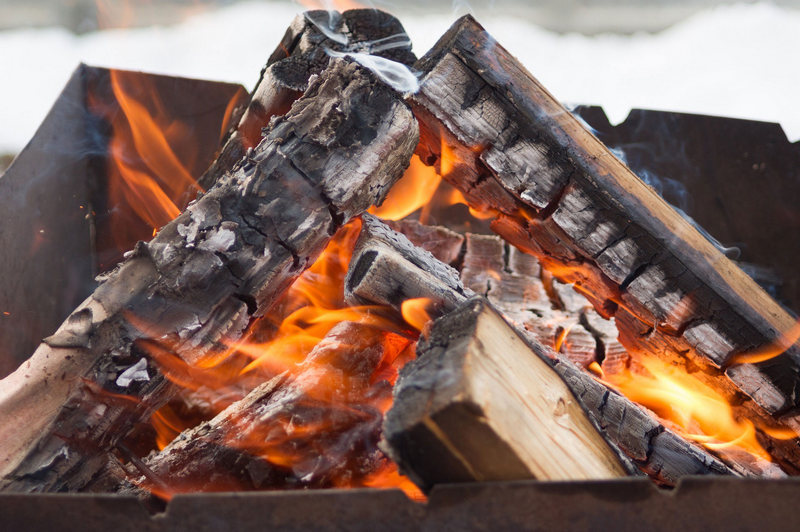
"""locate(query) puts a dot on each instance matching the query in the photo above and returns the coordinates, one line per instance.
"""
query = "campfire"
(380, 272)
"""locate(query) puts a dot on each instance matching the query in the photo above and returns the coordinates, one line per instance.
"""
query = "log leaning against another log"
(386, 268)
(314, 426)
(203, 277)
(302, 53)
(561, 195)
(479, 404)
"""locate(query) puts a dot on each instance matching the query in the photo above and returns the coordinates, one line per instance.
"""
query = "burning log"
(441, 242)
(405, 271)
(315, 426)
(387, 269)
(202, 278)
(561, 319)
(561, 195)
(480, 404)
(302, 53)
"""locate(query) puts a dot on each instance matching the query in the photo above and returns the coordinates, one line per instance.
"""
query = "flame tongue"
(700, 413)
(316, 424)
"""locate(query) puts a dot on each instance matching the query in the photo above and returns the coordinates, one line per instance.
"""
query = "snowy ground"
(734, 61)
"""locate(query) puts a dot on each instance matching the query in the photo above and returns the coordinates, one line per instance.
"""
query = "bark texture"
(561, 195)
(301, 54)
(203, 277)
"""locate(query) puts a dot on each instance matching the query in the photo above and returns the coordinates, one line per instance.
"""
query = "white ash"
(395, 74)
(187, 330)
(189, 232)
(137, 372)
(221, 239)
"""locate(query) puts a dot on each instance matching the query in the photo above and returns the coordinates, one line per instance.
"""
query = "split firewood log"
(302, 53)
(558, 193)
(480, 404)
(317, 425)
(203, 277)
(563, 320)
(386, 268)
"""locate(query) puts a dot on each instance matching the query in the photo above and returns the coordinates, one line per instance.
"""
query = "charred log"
(561, 195)
(301, 54)
(203, 277)
(626, 425)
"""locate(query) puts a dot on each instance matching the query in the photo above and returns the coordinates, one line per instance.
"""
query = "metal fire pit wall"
(742, 179)
(52, 199)
(699, 503)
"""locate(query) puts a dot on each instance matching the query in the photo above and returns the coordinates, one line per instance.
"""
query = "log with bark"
(302, 53)
(203, 277)
(561, 195)
(386, 268)
(314, 426)
(480, 404)
(561, 319)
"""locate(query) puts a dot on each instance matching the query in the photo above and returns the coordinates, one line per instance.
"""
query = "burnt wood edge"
(764, 381)
(58, 443)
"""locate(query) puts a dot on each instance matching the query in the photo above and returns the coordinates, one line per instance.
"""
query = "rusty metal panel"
(51, 204)
(741, 180)
(699, 503)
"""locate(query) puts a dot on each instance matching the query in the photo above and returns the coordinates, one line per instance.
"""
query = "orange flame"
(701, 412)
(561, 336)
(415, 312)
(413, 191)
(770, 351)
(152, 178)
(280, 343)
(448, 159)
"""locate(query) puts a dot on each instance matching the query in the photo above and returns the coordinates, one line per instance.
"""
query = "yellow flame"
(413, 191)
(770, 351)
(703, 414)
(415, 312)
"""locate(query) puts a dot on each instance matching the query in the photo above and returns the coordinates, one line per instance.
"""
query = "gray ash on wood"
(204, 275)
(561, 195)
(301, 54)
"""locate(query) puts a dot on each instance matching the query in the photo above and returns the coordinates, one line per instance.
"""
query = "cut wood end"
(479, 404)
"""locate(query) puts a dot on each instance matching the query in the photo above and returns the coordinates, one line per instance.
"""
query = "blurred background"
(717, 57)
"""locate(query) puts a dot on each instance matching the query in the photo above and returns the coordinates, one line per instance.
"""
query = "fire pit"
(255, 341)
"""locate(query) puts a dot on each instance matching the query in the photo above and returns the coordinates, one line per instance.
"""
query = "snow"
(731, 61)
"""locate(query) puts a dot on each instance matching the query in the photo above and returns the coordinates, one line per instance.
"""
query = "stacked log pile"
(592, 268)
